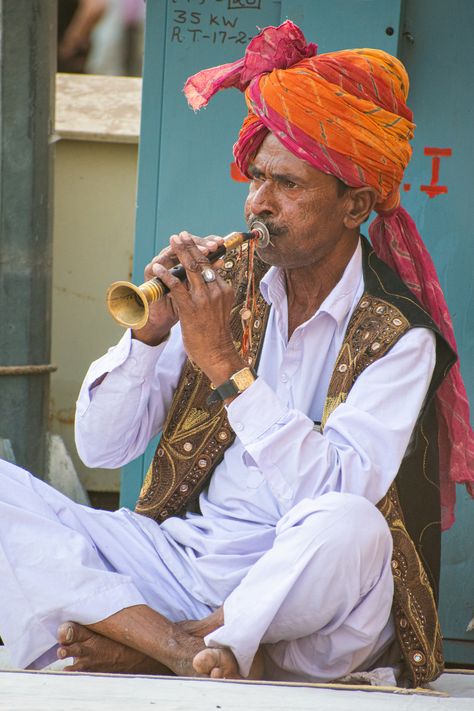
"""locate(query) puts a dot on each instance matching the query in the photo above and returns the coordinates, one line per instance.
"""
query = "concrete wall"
(97, 125)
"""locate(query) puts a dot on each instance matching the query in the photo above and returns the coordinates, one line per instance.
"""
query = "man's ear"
(360, 203)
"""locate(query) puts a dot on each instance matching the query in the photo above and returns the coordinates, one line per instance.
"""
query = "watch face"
(243, 379)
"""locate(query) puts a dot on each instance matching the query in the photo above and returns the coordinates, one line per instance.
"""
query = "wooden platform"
(60, 691)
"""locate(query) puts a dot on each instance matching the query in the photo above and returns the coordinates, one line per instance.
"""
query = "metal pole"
(27, 72)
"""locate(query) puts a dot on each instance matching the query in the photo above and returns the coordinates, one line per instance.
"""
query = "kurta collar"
(337, 304)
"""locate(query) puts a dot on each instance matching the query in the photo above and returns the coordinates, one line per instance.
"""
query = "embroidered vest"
(196, 435)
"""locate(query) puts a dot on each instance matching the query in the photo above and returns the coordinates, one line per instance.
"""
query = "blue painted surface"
(442, 99)
(457, 584)
(147, 192)
(184, 180)
(344, 24)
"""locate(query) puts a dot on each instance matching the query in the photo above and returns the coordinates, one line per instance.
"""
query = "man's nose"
(261, 199)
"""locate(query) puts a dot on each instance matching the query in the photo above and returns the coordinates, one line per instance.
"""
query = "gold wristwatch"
(237, 383)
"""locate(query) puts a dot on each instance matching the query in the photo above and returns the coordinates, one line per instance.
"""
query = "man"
(286, 563)
(76, 22)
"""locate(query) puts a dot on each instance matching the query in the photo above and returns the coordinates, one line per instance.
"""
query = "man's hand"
(163, 314)
(203, 309)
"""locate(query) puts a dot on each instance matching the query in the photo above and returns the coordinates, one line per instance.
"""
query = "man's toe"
(205, 661)
(66, 633)
(70, 632)
(62, 653)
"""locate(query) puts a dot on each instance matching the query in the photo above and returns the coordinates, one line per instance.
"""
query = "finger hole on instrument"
(168, 278)
(165, 264)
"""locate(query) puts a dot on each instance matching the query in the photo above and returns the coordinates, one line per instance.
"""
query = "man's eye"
(289, 184)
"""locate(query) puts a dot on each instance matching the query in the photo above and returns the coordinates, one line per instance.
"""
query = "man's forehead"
(273, 156)
(271, 149)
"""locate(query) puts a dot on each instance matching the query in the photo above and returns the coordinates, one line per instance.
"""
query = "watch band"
(237, 383)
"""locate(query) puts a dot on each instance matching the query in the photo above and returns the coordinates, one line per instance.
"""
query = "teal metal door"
(185, 179)
(434, 46)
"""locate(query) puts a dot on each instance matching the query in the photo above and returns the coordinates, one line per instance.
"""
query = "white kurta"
(289, 538)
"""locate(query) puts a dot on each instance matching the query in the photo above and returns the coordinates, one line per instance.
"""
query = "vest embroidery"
(374, 328)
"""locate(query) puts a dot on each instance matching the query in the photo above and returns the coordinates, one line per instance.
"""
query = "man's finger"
(168, 258)
(178, 290)
(192, 259)
(210, 243)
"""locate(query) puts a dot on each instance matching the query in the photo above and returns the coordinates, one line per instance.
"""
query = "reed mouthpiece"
(263, 233)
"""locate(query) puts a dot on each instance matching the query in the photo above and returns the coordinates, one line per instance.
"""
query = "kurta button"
(238, 426)
(284, 378)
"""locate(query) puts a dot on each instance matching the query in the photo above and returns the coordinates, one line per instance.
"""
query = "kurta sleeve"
(364, 439)
(124, 399)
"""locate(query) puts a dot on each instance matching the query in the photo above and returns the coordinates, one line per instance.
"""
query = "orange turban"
(342, 112)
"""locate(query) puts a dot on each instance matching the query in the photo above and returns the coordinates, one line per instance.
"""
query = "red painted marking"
(438, 151)
(433, 189)
(406, 187)
(236, 174)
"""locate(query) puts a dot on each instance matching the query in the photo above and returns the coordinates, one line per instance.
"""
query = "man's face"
(300, 205)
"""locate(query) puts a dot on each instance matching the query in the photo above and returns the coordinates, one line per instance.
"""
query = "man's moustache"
(273, 229)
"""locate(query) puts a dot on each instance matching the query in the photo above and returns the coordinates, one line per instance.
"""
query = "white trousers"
(319, 599)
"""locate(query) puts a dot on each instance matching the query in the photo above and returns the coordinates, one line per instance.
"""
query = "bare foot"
(94, 653)
(151, 634)
(218, 663)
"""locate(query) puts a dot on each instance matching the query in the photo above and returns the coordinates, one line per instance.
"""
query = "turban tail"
(345, 114)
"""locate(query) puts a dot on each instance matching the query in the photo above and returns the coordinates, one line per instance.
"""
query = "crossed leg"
(138, 640)
(300, 610)
(287, 597)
